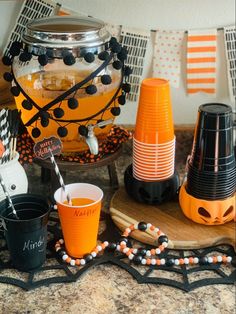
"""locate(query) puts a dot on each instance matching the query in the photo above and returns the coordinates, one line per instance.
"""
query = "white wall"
(153, 14)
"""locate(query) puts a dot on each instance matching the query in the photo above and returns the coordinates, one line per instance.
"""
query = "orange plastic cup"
(79, 222)
(154, 122)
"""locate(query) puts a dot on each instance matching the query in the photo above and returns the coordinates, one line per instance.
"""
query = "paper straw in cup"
(80, 221)
(8, 197)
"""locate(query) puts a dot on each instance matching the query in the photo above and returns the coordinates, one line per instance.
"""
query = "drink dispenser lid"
(57, 35)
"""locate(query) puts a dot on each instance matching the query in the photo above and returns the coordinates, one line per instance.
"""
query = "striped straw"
(8, 197)
(61, 181)
(5, 135)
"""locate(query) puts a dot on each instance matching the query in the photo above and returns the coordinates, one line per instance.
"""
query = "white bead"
(156, 230)
(210, 260)
(186, 261)
(57, 249)
(64, 257)
(196, 260)
(82, 262)
(219, 258)
(61, 241)
(131, 256)
(128, 230)
(165, 244)
(118, 247)
(229, 259)
(135, 251)
(106, 243)
(135, 226)
(94, 254)
(176, 262)
(99, 248)
(163, 261)
(153, 261)
(148, 253)
(143, 261)
(125, 250)
(158, 251)
(72, 262)
(149, 225)
(55, 207)
(123, 243)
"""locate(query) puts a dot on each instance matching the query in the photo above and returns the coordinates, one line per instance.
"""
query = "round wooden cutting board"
(182, 232)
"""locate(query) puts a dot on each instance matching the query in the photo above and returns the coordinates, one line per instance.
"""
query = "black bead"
(26, 104)
(115, 111)
(44, 122)
(36, 132)
(58, 113)
(127, 71)
(122, 55)
(6, 60)
(162, 238)
(233, 262)
(89, 57)
(126, 87)
(73, 103)
(106, 79)
(83, 130)
(117, 64)
(91, 89)
(121, 100)
(14, 50)
(43, 59)
(69, 59)
(142, 226)
(104, 55)
(62, 131)
(15, 91)
(137, 259)
(126, 240)
(8, 76)
(142, 251)
(203, 260)
(111, 247)
(61, 252)
(25, 56)
(116, 47)
(170, 262)
(88, 258)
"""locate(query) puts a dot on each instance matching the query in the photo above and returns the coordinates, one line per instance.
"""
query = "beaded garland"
(141, 256)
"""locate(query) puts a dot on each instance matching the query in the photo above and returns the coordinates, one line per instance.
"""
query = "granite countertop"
(107, 288)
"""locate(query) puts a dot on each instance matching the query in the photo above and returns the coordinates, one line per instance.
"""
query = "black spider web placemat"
(54, 270)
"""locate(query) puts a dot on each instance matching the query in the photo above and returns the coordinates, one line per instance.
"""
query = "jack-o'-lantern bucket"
(67, 79)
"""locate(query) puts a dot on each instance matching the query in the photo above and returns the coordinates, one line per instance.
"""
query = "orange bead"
(215, 259)
(148, 261)
(190, 260)
(131, 227)
(77, 262)
(181, 261)
(158, 262)
(161, 247)
(152, 228)
(153, 251)
(224, 259)
(68, 259)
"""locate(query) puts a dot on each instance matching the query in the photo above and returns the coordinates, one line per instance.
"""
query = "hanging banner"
(201, 61)
(135, 41)
(230, 52)
(167, 56)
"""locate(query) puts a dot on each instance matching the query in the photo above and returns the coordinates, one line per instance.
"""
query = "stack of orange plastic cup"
(154, 139)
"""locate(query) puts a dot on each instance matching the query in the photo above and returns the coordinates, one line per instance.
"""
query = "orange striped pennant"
(201, 61)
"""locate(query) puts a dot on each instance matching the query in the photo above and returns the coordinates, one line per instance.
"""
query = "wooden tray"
(182, 232)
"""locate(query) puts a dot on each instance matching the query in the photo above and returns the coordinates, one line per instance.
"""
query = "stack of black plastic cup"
(212, 166)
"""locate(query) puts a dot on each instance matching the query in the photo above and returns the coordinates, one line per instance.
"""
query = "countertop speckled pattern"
(107, 289)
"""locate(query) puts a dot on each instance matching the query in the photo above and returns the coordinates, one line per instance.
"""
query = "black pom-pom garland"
(122, 55)
(89, 57)
(104, 55)
(83, 130)
(106, 79)
(26, 104)
(127, 71)
(36, 132)
(62, 131)
(69, 59)
(25, 56)
(126, 87)
(58, 113)
(15, 91)
(14, 50)
(116, 48)
(44, 122)
(122, 100)
(43, 59)
(6, 60)
(8, 76)
(115, 111)
(91, 89)
(117, 64)
(73, 103)
(113, 41)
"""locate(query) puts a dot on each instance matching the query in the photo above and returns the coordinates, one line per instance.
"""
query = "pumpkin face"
(207, 212)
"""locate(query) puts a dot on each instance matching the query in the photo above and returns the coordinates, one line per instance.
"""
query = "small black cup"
(27, 236)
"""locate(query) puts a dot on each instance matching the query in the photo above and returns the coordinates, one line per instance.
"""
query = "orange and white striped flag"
(201, 61)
